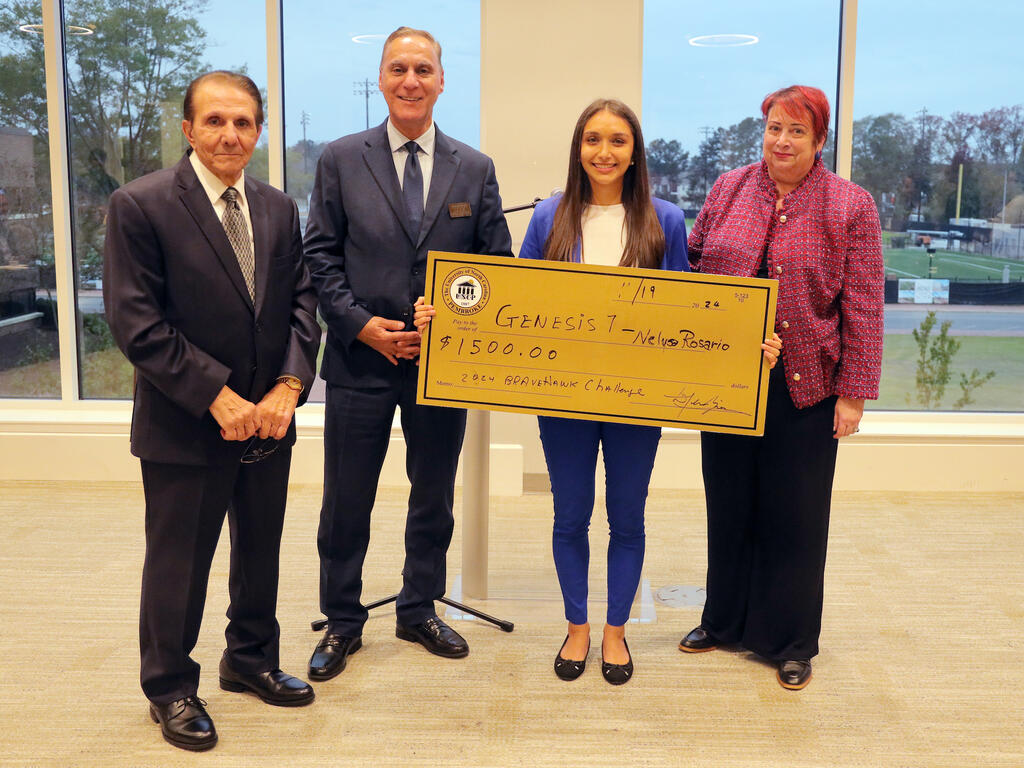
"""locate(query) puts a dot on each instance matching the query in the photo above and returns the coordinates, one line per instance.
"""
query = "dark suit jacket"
(178, 308)
(362, 258)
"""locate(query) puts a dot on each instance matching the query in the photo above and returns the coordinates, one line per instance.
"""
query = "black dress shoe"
(698, 641)
(436, 636)
(331, 654)
(570, 669)
(273, 687)
(794, 675)
(617, 674)
(184, 723)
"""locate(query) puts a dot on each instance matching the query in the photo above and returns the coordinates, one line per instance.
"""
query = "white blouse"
(604, 234)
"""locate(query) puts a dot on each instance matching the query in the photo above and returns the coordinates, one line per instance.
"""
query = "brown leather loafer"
(698, 641)
(185, 724)
(273, 686)
(436, 636)
(794, 675)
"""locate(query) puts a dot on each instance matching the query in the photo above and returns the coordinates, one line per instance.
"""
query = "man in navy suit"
(382, 199)
(207, 295)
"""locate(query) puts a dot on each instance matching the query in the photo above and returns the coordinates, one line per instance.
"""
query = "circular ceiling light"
(367, 39)
(723, 41)
(71, 29)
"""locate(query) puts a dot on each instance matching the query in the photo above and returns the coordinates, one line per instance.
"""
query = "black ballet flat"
(617, 674)
(569, 669)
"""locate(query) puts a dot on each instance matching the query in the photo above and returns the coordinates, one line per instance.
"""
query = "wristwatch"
(292, 382)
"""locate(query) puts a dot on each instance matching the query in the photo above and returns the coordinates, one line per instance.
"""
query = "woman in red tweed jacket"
(768, 498)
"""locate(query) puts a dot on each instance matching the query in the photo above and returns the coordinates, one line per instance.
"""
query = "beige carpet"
(922, 659)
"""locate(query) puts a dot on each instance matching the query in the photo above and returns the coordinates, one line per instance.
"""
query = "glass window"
(706, 69)
(127, 68)
(331, 63)
(938, 143)
(29, 357)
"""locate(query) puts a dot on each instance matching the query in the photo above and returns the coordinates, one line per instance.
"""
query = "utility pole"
(365, 87)
(305, 144)
(706, 130)
(923, 143)
(922, 117)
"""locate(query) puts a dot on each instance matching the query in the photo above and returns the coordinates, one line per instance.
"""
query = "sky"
(948, 57)
(322, 62)
(942, 55)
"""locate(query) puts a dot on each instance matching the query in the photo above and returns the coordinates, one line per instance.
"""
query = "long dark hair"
(645, 239)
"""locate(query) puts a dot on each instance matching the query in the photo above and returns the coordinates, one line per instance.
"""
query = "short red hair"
(801, 102)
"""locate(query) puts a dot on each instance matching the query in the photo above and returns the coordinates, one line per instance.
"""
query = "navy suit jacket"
(363, 259)
(178, 308)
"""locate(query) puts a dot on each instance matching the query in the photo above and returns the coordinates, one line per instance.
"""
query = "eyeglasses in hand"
(258, 449)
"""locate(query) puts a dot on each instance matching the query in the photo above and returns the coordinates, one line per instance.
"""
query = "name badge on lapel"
(459, 210)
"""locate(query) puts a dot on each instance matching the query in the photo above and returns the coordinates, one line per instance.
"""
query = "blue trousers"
(570, 448)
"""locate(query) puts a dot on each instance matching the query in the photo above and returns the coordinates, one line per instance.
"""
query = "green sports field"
(953, 265)
(1003, 354)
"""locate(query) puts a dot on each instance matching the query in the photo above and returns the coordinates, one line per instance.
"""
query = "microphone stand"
(525, 207)
(505, 626)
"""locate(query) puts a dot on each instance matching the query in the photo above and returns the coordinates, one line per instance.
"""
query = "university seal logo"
(466, 291)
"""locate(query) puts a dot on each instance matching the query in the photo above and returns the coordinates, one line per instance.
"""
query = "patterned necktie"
(412, 188)
(238, 234)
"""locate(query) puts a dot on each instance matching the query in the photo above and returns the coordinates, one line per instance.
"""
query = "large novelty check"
(638, 346)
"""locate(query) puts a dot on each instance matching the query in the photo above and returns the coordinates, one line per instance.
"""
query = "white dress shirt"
(214, 188)
(425, 155)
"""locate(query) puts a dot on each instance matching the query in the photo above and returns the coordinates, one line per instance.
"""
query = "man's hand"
(388, 338)
(275, 411)
(238, 418)
(421, 319)
(847, 417)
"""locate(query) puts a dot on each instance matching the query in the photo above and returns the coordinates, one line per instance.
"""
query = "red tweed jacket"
(825, 248)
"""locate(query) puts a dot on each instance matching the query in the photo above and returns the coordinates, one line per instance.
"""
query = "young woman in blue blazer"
(605, 216)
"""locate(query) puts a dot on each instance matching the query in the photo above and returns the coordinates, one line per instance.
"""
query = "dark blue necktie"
(412, 188)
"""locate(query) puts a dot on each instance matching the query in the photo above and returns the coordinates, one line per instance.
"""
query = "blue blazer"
(673, 223)
(363, 259)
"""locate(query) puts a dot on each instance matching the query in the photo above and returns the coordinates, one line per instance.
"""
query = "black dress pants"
(768, 502)
(185, 507)
(357, 429)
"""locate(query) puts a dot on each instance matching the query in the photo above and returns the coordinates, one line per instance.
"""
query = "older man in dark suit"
(383, 199)
(208, 296)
